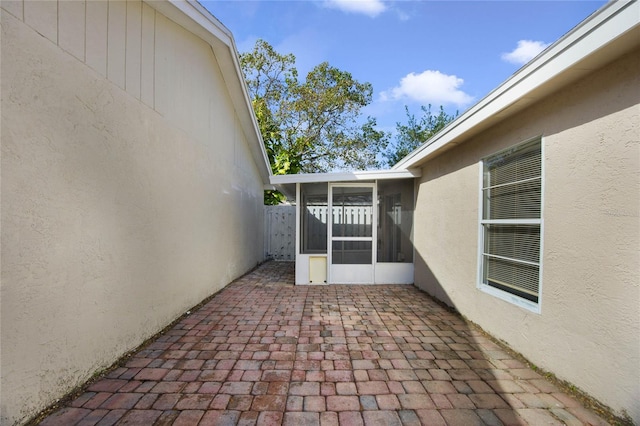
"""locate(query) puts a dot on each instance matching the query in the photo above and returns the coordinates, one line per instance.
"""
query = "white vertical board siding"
(147, 55)
(116, 42)
(14, 7)
(96, 35)
(42, 16)
(119, 39)
(280, 232)
(133, 48)
(71, 29)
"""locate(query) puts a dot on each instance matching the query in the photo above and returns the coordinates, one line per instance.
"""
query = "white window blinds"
(511, 218)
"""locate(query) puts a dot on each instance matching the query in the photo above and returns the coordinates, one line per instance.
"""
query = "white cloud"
(429, 87)
(526, 50)
(371, 8)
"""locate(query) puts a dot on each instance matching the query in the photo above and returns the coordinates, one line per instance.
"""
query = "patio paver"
(264, 351)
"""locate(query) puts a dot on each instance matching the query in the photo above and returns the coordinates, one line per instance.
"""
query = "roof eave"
(344, 176)
(287, 183)
(579, 52)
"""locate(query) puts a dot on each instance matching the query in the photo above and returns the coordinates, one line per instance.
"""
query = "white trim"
(542, 188)
(574, 55)
(479, 283)
(367, 270)
(509, 221)
(298, 221)
(534, 307)
(394, 273)
(416, 185)
(354, 273)
(353, 185)
(329, 232)
(344, 176)
(512, 298)
(510, 259)
(351, 238)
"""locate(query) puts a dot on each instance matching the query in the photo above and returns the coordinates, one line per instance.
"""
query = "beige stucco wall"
(588, 331)
(129, 193)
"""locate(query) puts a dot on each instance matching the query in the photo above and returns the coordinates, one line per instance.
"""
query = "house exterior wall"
(129, 192)
(588, 331)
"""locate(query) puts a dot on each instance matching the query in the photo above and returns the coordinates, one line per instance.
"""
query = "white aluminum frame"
(383, 272)
(357, 270)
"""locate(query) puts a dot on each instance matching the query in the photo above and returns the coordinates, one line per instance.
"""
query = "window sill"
(508, 297)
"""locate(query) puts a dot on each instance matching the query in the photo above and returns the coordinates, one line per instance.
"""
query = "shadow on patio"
(265, 351)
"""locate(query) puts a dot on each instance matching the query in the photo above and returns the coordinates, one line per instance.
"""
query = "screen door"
(351, 233)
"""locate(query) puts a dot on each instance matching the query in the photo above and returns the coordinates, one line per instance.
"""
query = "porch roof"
(287, 183)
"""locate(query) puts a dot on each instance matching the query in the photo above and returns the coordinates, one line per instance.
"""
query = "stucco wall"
(129, 192)
(588, 331)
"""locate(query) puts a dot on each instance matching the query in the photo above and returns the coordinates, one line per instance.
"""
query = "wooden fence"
(280, 232)
(280, 228)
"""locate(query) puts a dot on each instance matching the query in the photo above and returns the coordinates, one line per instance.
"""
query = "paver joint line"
(264, 351)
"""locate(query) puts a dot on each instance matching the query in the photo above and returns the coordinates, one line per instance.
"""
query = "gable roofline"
(192, 16)
(608, 33)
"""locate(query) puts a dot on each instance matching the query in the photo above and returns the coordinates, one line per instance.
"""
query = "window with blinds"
(510, 223)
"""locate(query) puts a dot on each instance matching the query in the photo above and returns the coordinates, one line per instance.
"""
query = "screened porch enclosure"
(355, 232)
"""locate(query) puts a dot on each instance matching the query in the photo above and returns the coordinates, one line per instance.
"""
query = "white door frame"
(352, 274)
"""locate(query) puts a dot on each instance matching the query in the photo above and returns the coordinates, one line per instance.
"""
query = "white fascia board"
(596, 32)
(195, 18)
(199, 15)
(344, 176)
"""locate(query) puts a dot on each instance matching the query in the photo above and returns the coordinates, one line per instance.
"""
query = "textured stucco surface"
(129, 193)
(588, 331)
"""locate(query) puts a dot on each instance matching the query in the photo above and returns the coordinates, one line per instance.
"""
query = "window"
(510, 223)
(395, 220)
(314, 218)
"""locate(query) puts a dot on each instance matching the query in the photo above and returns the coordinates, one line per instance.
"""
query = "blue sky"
(449, 53)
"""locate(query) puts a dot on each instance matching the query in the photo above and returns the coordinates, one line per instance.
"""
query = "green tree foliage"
(416, 132)
(312, 125)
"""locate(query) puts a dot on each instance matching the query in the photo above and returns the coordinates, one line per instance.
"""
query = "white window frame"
(501, 294)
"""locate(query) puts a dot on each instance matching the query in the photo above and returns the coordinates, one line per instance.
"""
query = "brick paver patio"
(266, 352)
